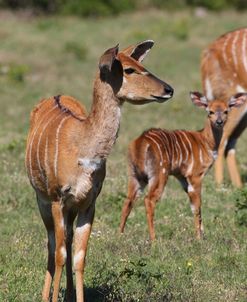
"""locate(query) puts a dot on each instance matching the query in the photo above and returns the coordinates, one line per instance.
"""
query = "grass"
(40, 57)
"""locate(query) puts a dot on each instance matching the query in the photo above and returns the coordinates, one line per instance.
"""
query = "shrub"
(241, 207)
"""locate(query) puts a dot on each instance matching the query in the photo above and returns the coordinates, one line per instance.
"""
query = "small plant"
(17, 72)
(181, 29)
(241, 207)
(77, 50)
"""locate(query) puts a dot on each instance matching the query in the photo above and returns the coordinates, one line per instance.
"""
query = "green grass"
(40, 57)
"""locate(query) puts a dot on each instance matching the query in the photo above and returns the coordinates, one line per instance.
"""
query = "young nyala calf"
(187, 155)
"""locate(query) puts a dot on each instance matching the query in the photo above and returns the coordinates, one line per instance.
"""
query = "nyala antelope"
(66, 157)
(224, 73)
(187, 155)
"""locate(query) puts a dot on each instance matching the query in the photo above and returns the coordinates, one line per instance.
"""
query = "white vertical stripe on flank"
(31, 143)
(180, 152)
(190, 154)
(148, 135)
(209, 91)
(163, 134)
(52, 119)
(57, 141)
(185, 148)
(244, 52)
(224, 49)
(234, 53)
(46, 163)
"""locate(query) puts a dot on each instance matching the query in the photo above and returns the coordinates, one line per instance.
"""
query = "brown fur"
(224, 66)
(187, 155)
(66, 156)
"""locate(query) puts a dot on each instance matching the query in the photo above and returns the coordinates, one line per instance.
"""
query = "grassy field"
(41, 57)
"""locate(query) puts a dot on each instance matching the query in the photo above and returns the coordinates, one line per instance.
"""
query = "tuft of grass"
(241, 207)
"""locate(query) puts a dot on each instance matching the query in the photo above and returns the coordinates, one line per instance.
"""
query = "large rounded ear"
(237, 100)
(199, 99)
(107, 59)
(139, 51)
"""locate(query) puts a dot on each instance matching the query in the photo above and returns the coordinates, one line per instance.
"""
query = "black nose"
(169, 90)
(219, 122)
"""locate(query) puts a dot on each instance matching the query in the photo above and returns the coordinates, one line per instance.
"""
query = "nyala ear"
(139, 51)
(199, 99)
(107, 59)
(237, 100)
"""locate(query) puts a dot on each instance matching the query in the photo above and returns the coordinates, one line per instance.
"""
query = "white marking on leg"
(193, 208)
(200, 155)
(64, 253)
(57, 142)
(231, 151)
(209, 91)
(190, 188)
(78, 257)
(244, 53)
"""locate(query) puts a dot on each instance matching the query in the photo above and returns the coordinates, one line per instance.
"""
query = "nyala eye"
(211, 112)
(226, 112)
(129, 70)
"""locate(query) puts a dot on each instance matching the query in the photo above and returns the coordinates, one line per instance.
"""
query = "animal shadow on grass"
(91, 295)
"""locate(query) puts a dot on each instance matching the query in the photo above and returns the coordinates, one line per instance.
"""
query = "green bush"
(241, 207)
(112, 7)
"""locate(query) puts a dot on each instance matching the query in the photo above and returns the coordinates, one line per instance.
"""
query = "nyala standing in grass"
(187, 155)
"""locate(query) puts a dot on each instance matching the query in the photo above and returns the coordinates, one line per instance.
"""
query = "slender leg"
(82, 233)
(133, 188)
(233, 169)
(60, 252)
(219, 163)
(69, 274)
(156, 187)
(194, 192)
(46, 214)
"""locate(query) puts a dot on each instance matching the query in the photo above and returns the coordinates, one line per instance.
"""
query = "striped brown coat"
(187, 155)
(224, 73)
(66, 156)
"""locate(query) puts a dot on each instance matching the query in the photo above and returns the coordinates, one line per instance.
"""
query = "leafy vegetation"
(125, 267)
(96, 8)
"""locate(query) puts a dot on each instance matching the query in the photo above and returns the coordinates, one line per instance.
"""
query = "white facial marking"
(57, 142)
(209, 91)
